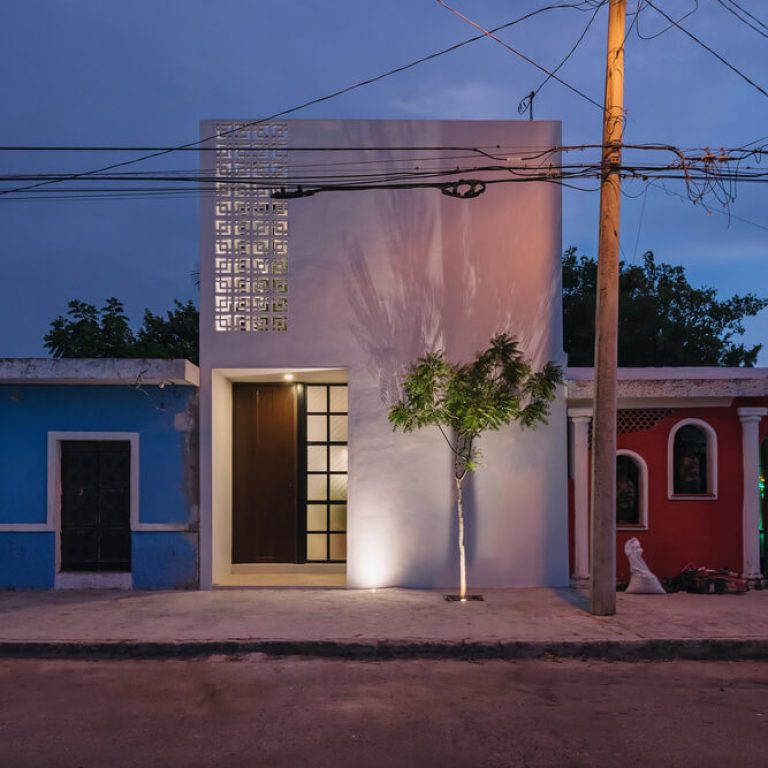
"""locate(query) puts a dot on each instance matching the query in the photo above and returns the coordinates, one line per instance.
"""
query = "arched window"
(631, 491)
(692, 459)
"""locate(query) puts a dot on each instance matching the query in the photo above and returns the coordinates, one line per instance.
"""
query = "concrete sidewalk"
(514, 623)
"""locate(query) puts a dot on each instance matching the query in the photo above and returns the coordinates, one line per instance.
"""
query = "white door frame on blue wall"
(53, 523)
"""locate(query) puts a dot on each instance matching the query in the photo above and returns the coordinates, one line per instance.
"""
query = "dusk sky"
(145, 72)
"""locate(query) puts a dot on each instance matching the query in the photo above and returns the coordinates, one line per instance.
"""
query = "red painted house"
(692, 448)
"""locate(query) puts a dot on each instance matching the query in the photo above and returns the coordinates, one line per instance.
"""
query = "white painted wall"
(221, 474)
(376, 279)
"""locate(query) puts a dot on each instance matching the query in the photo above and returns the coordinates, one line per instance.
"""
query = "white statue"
(642, 581)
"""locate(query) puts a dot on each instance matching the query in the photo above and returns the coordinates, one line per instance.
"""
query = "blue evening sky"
(144, 72)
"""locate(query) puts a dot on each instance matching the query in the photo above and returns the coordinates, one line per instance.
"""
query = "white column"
(580, 419)
(750, 448)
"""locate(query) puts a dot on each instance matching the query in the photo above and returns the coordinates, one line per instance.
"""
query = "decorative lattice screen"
(640, 419)
(251, 229)
(636, 420)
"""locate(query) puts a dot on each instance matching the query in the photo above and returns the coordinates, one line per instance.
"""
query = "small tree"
(465, 400)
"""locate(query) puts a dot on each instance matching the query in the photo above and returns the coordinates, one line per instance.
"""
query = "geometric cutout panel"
(636, 420)
(640, 419)
(251, 229)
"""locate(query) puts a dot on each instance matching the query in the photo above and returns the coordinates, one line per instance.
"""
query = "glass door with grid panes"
(326, 423)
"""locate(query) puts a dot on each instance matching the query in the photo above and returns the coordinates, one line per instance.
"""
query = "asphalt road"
(256, 711)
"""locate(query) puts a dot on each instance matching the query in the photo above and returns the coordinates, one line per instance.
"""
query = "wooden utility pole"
(603, 551)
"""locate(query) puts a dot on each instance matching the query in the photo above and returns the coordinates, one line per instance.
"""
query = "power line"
(210, 192)
(359, 169)
(661, 186)
(483, 149)
(713, 164)
(527, 102)
(751, 16)
(349, 183)
(704, 172)
(461, 153)
(688, 164)
(190, 148)
(742, 19)
(668, 27)
(640, 223)
(707, 48)
(561, 177)
(490, 33)
(756, 141)
(313, 102)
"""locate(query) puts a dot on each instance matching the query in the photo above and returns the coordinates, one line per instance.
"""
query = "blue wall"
(166, 560)
(167, 474)
(26, 560)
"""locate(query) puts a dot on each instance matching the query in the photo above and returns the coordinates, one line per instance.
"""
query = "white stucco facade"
(374, 280)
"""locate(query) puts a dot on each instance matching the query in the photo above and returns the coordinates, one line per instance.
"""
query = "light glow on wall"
(374, 562)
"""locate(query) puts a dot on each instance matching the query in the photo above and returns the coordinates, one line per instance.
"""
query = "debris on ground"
(707, 581)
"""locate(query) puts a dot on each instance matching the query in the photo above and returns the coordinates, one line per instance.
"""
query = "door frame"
(300, 496)
(74, 580)
(216, 467)
(105, 579)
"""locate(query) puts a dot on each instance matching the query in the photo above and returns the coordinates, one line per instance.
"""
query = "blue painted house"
(98, 473)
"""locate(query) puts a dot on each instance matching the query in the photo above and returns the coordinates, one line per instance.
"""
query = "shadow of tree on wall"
(425, 287)
(423, 282)
(397, 324)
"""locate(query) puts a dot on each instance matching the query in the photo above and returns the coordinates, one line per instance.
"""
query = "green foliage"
(173, 336)
(106, 332)
(464, 400)
(663, 319)
(90, 332)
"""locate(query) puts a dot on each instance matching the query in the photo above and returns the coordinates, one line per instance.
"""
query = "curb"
(604, 650)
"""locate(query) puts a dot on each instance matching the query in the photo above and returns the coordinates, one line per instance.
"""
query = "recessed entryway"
(288, 480)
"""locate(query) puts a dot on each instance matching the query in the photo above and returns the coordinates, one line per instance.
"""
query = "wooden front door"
(264, 503)
(95, 505)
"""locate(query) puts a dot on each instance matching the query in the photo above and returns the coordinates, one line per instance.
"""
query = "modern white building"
(311, 309)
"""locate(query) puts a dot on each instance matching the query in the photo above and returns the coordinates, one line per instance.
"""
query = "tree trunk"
(462, 552)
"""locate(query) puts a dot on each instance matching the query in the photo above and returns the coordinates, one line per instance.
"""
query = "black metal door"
(95, 505)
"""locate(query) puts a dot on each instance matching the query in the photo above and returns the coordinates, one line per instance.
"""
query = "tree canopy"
(663, 319)
(466, 399)
(90, 332)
